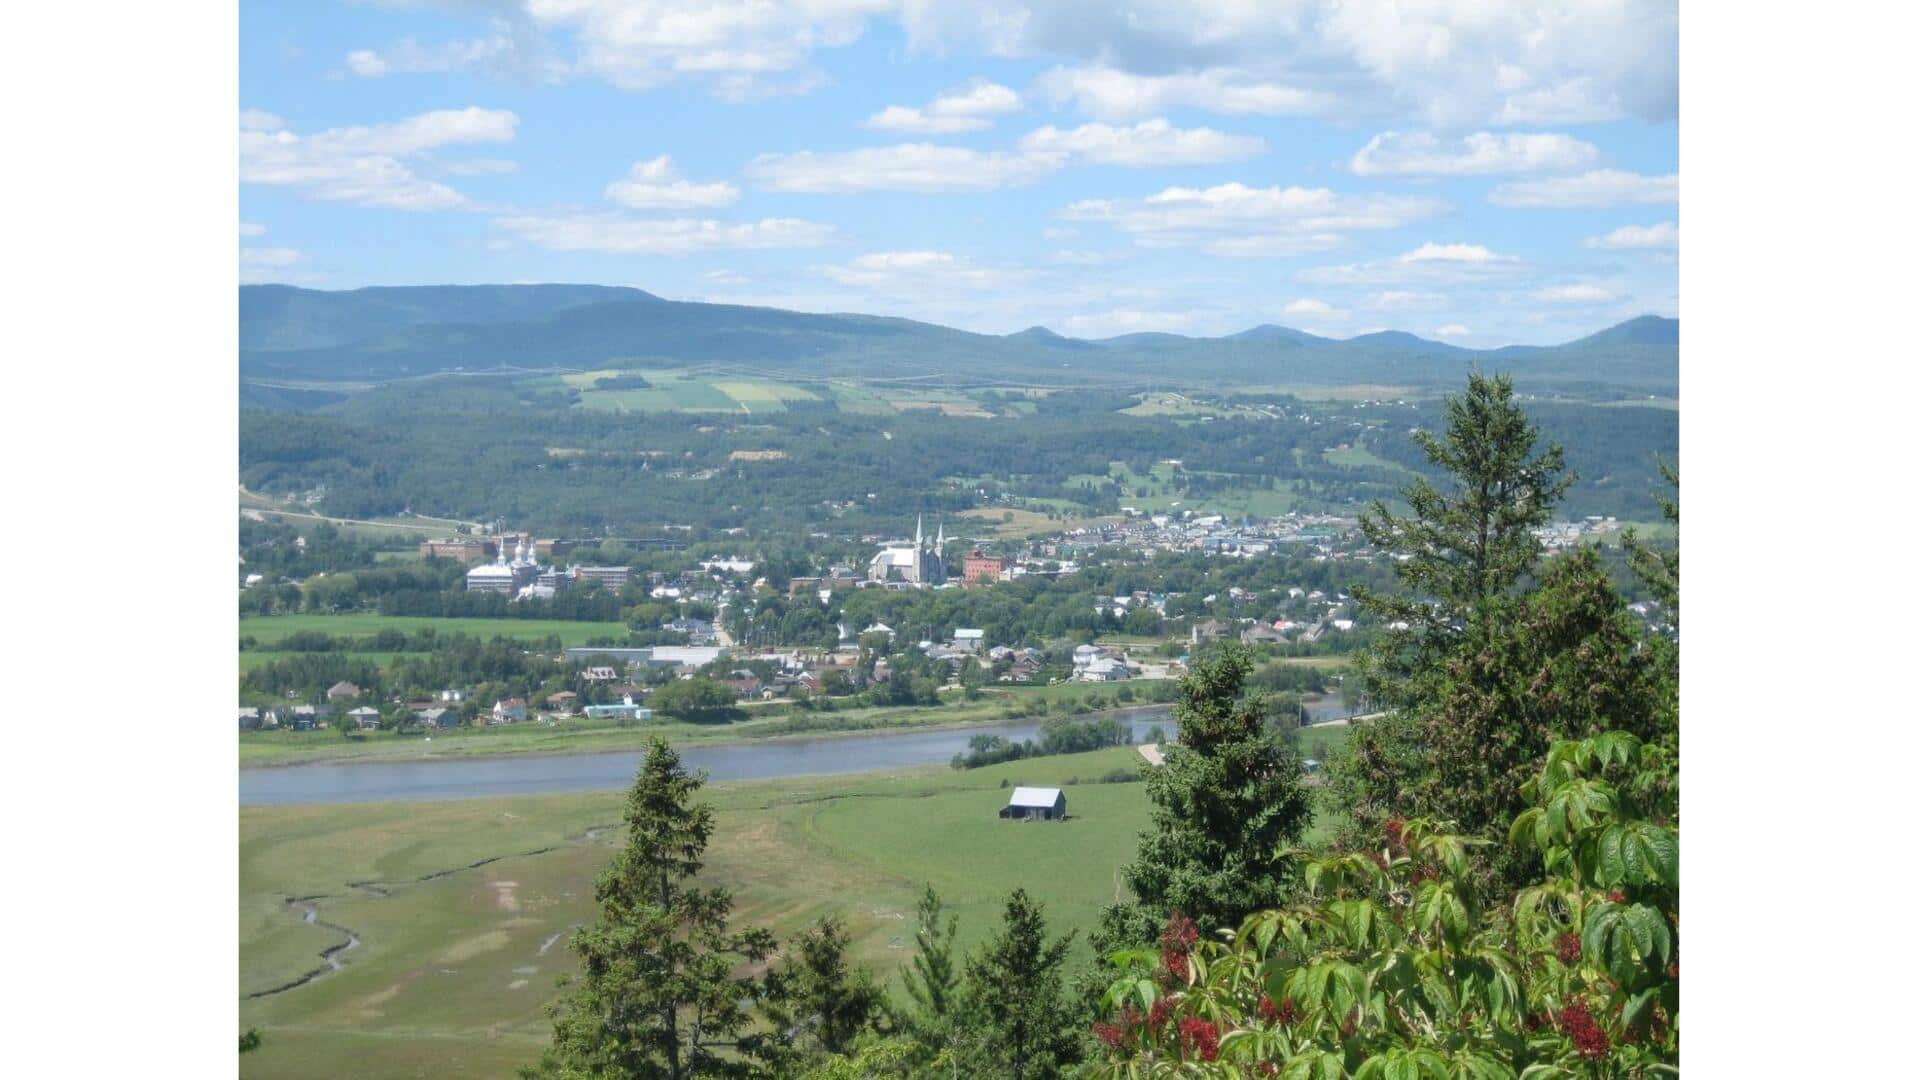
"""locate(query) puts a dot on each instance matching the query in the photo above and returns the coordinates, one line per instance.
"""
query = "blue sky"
(1480, 174)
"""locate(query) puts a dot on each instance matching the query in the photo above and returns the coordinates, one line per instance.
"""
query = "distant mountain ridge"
(384, 333)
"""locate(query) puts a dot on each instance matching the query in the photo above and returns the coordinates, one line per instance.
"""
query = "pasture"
(461, 909)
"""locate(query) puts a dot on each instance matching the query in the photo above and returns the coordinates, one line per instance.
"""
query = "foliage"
(699, 699)
(249, 1040)
(1018, 1020)
(1231, 792)
(815, 1003)
(658, 994)
(1391, 966)
(933, 982)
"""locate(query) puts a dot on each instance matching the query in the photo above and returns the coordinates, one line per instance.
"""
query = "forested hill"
(380, 334)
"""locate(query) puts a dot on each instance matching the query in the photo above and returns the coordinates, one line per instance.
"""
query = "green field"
(270, 629)
(450, 975)
(1354, 456)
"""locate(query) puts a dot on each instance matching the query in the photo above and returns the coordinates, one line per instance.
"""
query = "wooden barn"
(1031, 803)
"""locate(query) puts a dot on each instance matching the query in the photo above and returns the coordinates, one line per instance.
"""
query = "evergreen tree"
(657, 996)
(933, 982)
(815, 1002)
(1230, 797)
(1463, 551)
(1020, 1022)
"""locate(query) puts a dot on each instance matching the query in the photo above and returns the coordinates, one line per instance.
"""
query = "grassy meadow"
(461, 908)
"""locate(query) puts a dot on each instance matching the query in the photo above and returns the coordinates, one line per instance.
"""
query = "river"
(483, 777)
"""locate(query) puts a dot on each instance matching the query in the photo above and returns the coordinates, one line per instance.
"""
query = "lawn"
(270, 629)
(456, 961)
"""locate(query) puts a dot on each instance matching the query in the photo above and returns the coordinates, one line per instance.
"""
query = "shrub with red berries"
(1578, 972)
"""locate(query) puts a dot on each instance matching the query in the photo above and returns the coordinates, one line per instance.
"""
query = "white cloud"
(1450, 65)
(248, 228)
(478, 167)
(915, 273)
(652, 185)
(1234, 219)
(368, 166)
(906, 167)
(614, 235)
(1150, 144)
(1599, 188)
(1451, 330)
(1404, 300)
(1112, 94)
(969, 109)
(1418, 153)
(260, 120)
(739, 48)
(408, 56)
(1662, 234)
(726, 278)
(1311, 308)
(1124, 321)
(1573, 294)
(266, 264)
(1428, 263)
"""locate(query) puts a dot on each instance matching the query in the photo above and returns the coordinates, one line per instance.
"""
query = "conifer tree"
(815, 1003)
(1231, 795)
(1020, 1022)
(933, 982)
(657, 996)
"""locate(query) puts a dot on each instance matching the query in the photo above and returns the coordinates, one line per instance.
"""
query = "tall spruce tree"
(1231, 795)
(815, 1002)
(933, 982)
(1500, 657)
(657, 995)
(1020, 1023)
(1463, 550)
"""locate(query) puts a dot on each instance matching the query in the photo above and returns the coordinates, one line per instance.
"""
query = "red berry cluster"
(1200, 1037)
(1589, 1038)
(1115, 1035)
(1282, 1014)
(1157, 1016)
(1176, 941)
(1568, 946)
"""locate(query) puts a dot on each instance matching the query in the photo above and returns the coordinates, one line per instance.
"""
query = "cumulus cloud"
(1418, 153)
(1150, 144)
(1124, 321)
(248, 228)
(1234, 219)
(1663, 234)
(1310, 308)
(367, 166)
(652, 185)
(1573, 294)
(266, 264)
(971, 109)
(1404, 300)
(1451, 330)
(1112, 94)
(1599, 188)
(409, 57)
(614, 235)
(924, 167)
(739, 48)
(913, 273)
(1428, 263)
(1550, 63)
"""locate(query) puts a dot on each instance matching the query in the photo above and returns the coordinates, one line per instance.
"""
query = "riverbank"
(280, 748)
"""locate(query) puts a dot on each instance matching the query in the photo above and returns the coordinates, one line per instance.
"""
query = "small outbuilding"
(1042, 803)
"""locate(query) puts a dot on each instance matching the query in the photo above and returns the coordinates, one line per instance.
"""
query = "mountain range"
(386, 333)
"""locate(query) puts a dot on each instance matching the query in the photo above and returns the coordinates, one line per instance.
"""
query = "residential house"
(365, 717)
(563, 702)
(437, 718)
(249, 719)
(509, 710)
(342, 691)
(1208, 630)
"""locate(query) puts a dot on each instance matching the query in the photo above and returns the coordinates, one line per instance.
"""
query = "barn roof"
(1041, 797)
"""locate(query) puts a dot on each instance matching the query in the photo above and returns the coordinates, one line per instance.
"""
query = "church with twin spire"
(914, 564)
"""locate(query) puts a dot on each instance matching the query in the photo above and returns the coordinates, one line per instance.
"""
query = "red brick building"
(977, 566)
